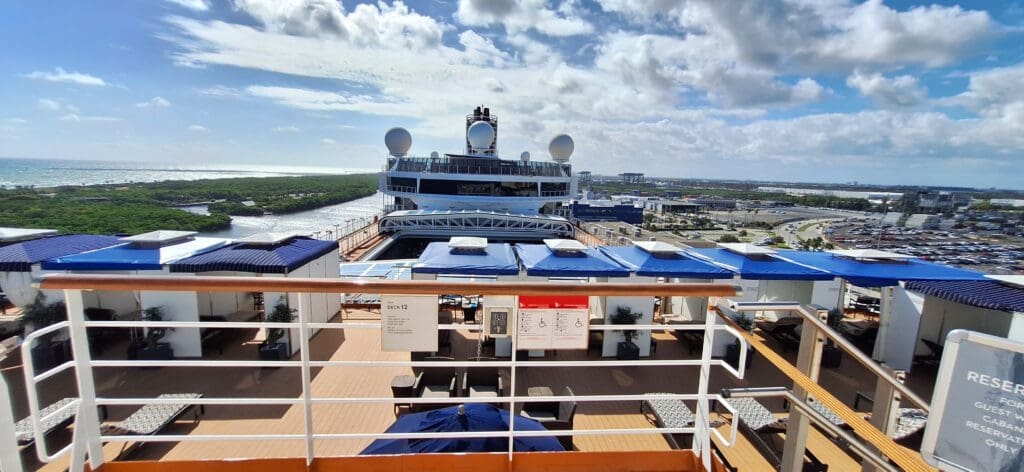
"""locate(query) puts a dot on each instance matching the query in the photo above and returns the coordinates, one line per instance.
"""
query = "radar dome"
(561, 148)
(525, 157)
(480, 135)
(398, 141)
(434, 155)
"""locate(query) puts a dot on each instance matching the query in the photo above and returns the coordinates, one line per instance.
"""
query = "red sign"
(546, 301)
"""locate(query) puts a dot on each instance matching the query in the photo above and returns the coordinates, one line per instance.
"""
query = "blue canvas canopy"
(470, 417)
(280, 258)
(20, 256)
(541, 261)
(439, 258)
(980, 293)
(759, 267)
(129, 256)
(879, 273)
(678, 264)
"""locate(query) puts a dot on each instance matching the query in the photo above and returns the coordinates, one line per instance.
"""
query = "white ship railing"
(88, 439)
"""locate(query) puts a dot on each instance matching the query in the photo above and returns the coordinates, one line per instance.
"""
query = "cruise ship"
(476, 192)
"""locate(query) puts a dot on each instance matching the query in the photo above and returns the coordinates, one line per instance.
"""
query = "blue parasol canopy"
(438, 258)
(542, 261)
(470, 417)
(677, 264)
(759, 267)
(880, 273)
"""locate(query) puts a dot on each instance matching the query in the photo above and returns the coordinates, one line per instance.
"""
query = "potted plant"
(149, 348)
(831, 355)
(273, 349)
(732, 351)
(52, 349)
(627, 349)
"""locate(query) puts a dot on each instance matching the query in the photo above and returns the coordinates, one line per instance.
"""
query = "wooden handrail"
(404, 287)
(868, 432)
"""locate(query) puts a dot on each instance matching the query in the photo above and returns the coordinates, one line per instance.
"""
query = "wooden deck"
(363, 344)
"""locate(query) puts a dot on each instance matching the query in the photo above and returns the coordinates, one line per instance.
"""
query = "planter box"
(273, 352)
(831, 357)
(627, 351)
(160, 352)
(732, 356)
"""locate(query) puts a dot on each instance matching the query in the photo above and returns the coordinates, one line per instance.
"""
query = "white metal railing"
(88, 437)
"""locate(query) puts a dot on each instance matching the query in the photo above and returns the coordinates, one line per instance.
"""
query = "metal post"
(307, 393)
(702, 435)
(513, 324)
(808, 361)
(884, 411)
(10, 457)
(88, 419)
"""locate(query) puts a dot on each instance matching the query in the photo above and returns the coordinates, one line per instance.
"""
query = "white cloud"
(327, 141)
(76, 118)
(16, 121)
(901, 91)
(521, 15)
(196, 5)
(220, 91)
(155, 102)
(60, 75)
(48, 104)
(366, 25)
(286, 129)
(198, 129)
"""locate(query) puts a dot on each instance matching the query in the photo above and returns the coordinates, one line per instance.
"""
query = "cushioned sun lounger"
(150, 419)
(23, 429)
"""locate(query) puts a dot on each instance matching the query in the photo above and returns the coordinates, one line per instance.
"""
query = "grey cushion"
(436, 391)
(150, 419)
(23, 429)
(540, 416)
(482, 391)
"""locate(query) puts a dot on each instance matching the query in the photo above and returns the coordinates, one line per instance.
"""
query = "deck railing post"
(10, 457)
(514, 327)
(88, 419)
(307, 390)
(808, 361)
(884, 411)
(702, 435)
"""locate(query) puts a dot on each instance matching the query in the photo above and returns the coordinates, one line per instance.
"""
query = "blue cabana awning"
(679, 264)
(541, 261)
(979, 293)
(19, 257)
(439, 258)
(759, 267)
(131, 256)
(280, 258)
(881, 273)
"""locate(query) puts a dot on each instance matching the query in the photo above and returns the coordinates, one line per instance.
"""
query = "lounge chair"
(23, 429)
(782, 330)
(672, 413)
(484, 381)
(559, 418)
(755, 420)
(933, 357)
(151, 419)
(436, 382)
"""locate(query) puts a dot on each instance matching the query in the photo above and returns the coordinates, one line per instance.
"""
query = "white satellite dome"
(480, 135)
(398, 141)
(434, 155)
(525, 156)
(561, 148)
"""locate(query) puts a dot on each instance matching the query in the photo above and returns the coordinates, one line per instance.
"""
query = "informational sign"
(496, 320)
(545, 322)
(408, 323)
(977, 411)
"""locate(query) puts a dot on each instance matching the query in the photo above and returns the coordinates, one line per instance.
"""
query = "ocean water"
(53, 173)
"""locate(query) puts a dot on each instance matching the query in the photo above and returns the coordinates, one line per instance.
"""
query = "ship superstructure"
(476, 192)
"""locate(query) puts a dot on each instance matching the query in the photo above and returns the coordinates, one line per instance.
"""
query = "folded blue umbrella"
(471, 417)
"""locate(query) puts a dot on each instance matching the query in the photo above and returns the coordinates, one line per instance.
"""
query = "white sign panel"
(408, 323)
(545, 322)
(977, 414)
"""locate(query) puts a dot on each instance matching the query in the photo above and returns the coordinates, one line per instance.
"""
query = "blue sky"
(799, 90)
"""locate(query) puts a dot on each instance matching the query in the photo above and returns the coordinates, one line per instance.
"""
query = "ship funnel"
(398, 141)
(525, 156)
